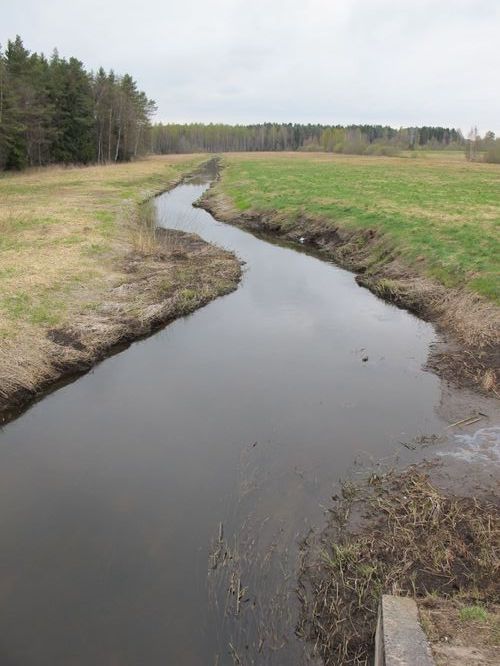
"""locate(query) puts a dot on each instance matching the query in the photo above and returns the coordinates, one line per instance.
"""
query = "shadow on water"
(150, 511)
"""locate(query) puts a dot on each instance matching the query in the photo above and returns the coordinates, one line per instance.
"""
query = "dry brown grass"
(61, 230)
(394, 534)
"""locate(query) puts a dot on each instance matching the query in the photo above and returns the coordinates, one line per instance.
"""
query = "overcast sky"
(400, 62)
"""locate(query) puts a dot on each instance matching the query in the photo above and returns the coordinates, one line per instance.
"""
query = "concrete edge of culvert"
(400, 639)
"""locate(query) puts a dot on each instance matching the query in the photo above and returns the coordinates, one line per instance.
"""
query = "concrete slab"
(400, 640)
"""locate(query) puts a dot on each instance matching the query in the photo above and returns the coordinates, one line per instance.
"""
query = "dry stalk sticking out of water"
(251, 587)
(396, 534)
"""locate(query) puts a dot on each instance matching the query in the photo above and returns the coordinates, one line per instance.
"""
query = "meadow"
(62, 230)
(439, 213)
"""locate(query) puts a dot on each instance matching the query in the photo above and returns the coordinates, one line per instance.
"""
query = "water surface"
(244, 414)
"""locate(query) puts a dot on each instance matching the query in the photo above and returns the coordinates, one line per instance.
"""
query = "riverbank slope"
(421, 233)
(83, 270)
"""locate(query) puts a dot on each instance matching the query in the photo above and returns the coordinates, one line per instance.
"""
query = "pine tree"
(16, 104)
(55, 111)
(72, 96)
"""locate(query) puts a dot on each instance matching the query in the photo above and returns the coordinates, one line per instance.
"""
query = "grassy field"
(439, 212)
(61, 230)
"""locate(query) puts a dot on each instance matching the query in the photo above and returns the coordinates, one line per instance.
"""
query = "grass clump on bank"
(396, 534)
(473, 613)
(439, 213)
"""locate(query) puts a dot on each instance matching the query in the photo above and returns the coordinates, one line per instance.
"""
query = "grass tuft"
(473, 614)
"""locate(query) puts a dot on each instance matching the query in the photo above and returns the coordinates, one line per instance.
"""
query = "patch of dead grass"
(52, 236)
(396, 534)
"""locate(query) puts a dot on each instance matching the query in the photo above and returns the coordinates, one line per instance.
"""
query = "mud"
(396, 533)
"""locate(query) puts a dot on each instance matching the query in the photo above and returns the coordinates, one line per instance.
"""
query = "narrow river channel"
(234, 423)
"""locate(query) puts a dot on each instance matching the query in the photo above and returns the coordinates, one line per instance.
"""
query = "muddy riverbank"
(431, 531)
(469, 351)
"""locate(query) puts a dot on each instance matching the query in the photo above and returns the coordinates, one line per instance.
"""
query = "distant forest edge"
(54, 111)
(351, 139)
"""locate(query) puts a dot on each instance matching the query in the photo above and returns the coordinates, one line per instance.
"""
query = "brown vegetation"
(395, 534)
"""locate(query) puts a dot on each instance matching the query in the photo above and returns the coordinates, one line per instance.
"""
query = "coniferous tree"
(16, 104)
(55, 111)
(72, 98)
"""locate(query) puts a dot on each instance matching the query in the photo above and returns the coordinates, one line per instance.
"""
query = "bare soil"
(470, 325)
(458, 639)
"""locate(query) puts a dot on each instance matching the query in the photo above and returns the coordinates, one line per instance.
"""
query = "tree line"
(357, 139)
(54, 111)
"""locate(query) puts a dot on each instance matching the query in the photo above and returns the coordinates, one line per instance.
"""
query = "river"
(233, 422)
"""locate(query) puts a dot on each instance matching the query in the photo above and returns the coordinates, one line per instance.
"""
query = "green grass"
(41, 311)
(473, 614)
(438, 212)
(106, 223)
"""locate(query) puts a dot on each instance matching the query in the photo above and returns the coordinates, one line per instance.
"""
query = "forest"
(54, 111)
(353, 139)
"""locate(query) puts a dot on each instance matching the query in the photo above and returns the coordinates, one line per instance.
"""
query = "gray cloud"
(389, 61)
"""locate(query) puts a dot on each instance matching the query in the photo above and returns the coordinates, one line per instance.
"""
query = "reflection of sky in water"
(483, 445)
(114, 486)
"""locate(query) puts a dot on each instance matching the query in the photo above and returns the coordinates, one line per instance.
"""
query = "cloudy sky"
(400, 62)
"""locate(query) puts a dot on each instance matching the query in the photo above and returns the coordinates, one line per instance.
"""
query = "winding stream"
(233, 423)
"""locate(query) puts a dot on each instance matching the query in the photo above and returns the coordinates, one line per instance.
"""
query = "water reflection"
(114, 488)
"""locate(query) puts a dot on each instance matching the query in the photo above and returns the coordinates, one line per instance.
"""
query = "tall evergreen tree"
(72, 97)
(55, 111)
(16, 101)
